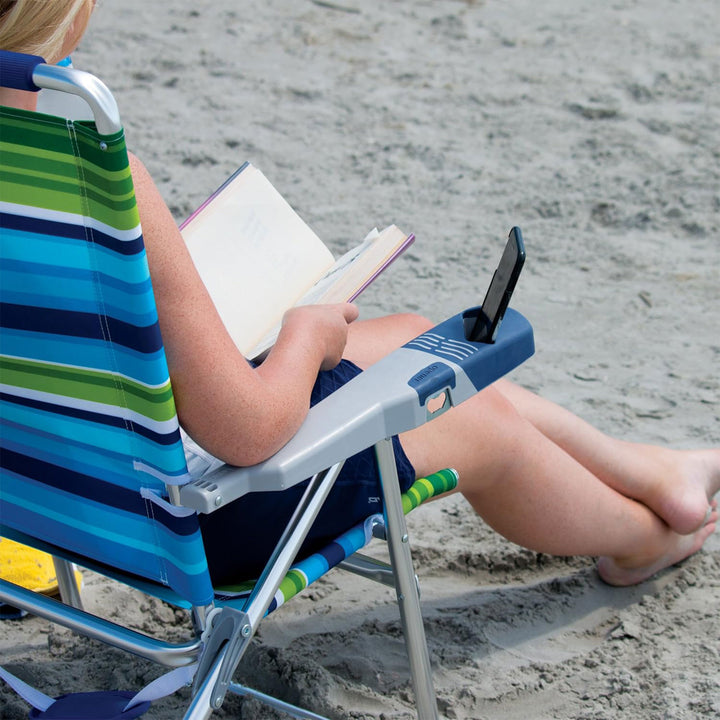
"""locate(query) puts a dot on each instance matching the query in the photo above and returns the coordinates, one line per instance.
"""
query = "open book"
(258, 258)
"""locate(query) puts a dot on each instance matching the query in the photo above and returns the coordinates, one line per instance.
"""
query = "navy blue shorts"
(240, 537)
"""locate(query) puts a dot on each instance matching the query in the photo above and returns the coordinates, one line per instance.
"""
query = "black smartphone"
(500, 290)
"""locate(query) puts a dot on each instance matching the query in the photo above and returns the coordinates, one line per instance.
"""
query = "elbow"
(241, 426)
(245, 446)
(247, 457)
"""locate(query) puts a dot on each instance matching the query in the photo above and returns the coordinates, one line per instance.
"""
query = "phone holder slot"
(470, 320)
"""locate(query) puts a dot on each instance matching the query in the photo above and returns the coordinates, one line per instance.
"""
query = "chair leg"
(370, 568)
(202, 704)
(65, 574)
(289, 709)
(230, 631)
(407, 591)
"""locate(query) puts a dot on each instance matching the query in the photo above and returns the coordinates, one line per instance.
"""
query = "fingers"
(325, 326)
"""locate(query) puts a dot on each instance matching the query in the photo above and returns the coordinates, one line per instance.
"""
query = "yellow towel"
(30, 568)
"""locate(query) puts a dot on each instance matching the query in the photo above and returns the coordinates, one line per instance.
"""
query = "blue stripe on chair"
(334, 553)
(78, 305)
(140, 553)
(77, 289)
(71, 253)
(85, 486)
(353, 539)
(76, 324)
(53, 444)
(134, 553)
(148, 587)
(315, 566)
(45, 446)
(54, 228)
(30, 271)
(60, 411)
(64, 508)
(141, 531)
(147, 368)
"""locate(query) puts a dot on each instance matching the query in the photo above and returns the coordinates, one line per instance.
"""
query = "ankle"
(645, 552)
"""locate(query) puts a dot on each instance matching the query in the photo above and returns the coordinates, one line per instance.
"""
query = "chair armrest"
(388, 398)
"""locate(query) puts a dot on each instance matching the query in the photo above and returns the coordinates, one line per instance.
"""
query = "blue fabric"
(91, 706)
(240, 537)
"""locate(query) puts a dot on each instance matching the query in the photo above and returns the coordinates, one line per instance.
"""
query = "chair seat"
(307, 571)
(302, 574)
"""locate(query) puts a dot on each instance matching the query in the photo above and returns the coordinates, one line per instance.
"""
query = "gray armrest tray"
(388, 398)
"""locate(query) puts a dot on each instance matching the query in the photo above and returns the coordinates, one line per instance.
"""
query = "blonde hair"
(41, 27)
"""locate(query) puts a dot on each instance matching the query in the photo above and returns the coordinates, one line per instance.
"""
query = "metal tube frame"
(71, 615)
(93, 91)
(97, 628)
(65, 574)
(234, 629)
(369, 568)
(407, 591)
(176, 655)
(289, 544)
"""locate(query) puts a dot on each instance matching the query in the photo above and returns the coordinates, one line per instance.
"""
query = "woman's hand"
(325, 326)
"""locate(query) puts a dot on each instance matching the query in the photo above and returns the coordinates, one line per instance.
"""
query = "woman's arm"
(239, 414)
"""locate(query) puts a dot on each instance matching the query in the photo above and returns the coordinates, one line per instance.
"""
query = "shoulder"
(141, 176)
(155, 216)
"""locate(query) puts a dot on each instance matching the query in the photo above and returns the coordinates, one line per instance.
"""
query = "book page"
(349, 275)
(255, 255)
(355, 270)
(341, 265)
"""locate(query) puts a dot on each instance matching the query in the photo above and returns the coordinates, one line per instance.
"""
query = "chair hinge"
(230, 631)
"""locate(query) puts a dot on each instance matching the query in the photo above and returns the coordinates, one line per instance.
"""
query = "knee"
(500, 424)
(481, 438)
(491, 403)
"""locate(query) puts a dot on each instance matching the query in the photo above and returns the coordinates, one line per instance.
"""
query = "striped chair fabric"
(89, 428)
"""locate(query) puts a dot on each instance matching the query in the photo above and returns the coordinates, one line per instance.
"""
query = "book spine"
(214, 195)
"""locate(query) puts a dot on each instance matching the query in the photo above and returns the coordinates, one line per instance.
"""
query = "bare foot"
(633, 570)
(685, 489)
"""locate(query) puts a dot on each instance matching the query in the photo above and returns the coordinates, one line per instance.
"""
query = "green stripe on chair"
(425, 488)
(61, 164)
(21, 127)
(156, 403)
(49, 176)
(293, 583)
(63, 177)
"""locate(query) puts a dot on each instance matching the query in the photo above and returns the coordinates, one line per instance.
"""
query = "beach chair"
(93, 466)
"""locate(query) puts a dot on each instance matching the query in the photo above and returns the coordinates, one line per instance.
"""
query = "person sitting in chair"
(539, 475)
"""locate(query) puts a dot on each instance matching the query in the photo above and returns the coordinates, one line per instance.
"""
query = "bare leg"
(535, 494)
(677, 485)
(528, 487)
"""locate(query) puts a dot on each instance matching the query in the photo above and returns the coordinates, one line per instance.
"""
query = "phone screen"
(500, 290)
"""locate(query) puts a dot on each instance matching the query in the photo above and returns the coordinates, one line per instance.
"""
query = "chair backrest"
(89, 433)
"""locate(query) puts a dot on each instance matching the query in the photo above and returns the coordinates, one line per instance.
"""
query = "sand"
(592, 126)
